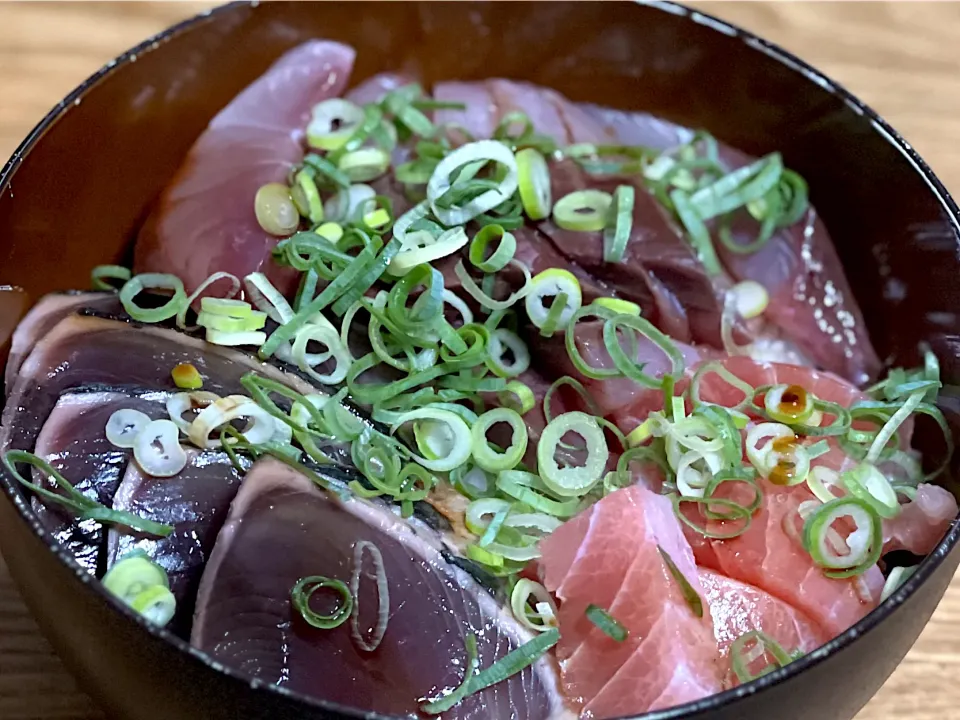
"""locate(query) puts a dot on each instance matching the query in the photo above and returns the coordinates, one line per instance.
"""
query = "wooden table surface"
(901, 58)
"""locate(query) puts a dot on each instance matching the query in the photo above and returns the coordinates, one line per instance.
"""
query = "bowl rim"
(925, 570)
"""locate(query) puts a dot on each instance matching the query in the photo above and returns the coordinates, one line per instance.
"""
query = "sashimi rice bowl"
(464, 398)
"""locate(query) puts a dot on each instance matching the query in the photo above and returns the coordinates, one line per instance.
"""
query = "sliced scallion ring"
(498, 259)
(624, 307)
(471, 288)
(476, 152)
(143, 585)
(583, 210)
(157, 449)
(125, 425)
(517, 396)
(572, 481)
(533, 491)
(332, 123)
(102, 273)
(864, 544)
(431, 249)
(750, 298)
(488, 458)
(628, 366)
(867, 483)
(534, 182)
(502, 340)
(304, 589)
(553, 283)
(306, 196)
(533, 606)
(788, 403)
(461, 441)
(153, 281)
(364, 165)
(267, 298)
(619, 224)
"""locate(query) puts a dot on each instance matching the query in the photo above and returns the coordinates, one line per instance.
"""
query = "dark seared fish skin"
(282, 528)
(88, 350)
(195, 502)
(48, 311)
(74, 442)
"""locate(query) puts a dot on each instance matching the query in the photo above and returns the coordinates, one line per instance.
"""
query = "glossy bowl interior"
(76, 190)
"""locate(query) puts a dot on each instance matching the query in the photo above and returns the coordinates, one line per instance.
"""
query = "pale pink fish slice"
(609, 557)
(922, 522)
(479, 117)
(204, 221)
(771, 556)
(738, 608)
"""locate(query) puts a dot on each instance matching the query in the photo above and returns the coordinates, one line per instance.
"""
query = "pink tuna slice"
(204, 221)
(771, 556)
(608, 556)
(922, 522)
(738, 608)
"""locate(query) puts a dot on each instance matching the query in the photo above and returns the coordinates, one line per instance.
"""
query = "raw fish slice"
(204, 221)
(49, 310)
(738, 608)
(615, 394)
(480, 117)
(770, 555)
(511, 96)
(282, 528)
(922, 522)
(608, 556)
(632, 128)
(660, 270)
(373, 89)
(84, 350)
(810, 298)
(195, 502)
(73, 440)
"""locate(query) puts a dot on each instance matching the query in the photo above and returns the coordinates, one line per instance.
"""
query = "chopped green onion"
(304, 589)
(750, 298)
(484, 556)
(686, 589)
(629, 367)
(421, 247)
(471, 153)
(543, 616)
(534, 183)
(606, 623)
(515, 661)
(452, 697)
(553, 283)
(799, 403)
(897, 577)
(741, 658)
(864, 545)
(488, 458)
(577, 480)
(736, 189)
(697, 232)
(143, 585)
(364, 165)
(456, 437)
(737, 513)
(621, 307)
(153, 281)
(186, 376)
(76, 502)
(267, 298)
(306, 196)
(619, 225)
(502, 341)
(101, 273)
(531, 490)
(517, 396)
(332, 123)
(275, 211)
(471, 288)
(506, 248)
(717, 368)
(583, 210)
(867, 483)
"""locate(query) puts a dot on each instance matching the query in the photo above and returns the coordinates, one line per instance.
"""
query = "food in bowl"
(479, 403)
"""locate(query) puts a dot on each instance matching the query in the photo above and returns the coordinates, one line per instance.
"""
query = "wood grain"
(901, 58)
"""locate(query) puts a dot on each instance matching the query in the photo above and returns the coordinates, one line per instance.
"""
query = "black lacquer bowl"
(75, 191)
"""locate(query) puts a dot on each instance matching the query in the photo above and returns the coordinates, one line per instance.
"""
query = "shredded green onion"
(619, 224)
(304, 589)
(686, 589)
(606, 623)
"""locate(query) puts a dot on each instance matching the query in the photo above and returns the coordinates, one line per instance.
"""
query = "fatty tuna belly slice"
(610, 556)
(73, 440)
(922, 522)
(282, 528)
(83, 351)
(49, 310)
(738, 608)
(195, 502)
(204, 221)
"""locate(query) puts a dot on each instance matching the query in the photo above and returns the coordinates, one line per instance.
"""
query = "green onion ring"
(628, 366)
(572, 481)
(488, 458)
(101, 273)
(304, 589)
(504, 252)
(152, 281)
(818, 524)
